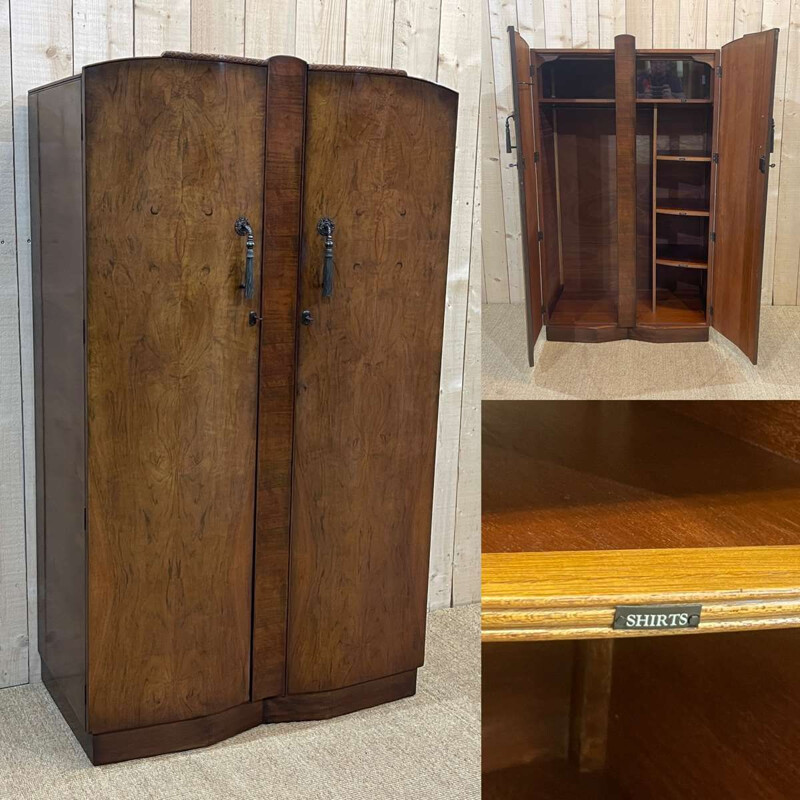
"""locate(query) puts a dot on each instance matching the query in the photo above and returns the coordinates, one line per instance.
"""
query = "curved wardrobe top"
(223, 59)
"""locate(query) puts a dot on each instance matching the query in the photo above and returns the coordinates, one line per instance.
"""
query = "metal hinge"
(719, 71)
(540, 236)
(84, 518)
(711, 309)
(713, 236)
(532, 71)
(715, 158)
(84, 331)
(543, 308)
(535, 156)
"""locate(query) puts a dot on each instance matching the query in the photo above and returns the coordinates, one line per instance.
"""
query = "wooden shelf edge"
(674, 262)
(572, 595)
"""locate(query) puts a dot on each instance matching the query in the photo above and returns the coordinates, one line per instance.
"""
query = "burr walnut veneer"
(643, 187)
(239, 277)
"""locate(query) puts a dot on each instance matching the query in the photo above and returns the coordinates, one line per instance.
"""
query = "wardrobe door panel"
(522, 84)
(379, 163)
(174, 154)
(747, 86)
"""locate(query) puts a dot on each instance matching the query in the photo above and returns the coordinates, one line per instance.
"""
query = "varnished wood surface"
(746, 107)
(283, 175)
(584, 308)
(622, 475)
(336, 702)
(172, 386)
(379, 162)
(707, 717)
(526, 172)
(526, 692)
(773, 425)
(60, 387)
(587, 160)
(625, 110)
(531, 596)
(672, 308)
(548, 780)
(547, 197)
(591, 695)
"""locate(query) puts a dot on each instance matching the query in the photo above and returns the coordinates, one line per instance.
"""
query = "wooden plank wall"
(655, 23)
(43, 40)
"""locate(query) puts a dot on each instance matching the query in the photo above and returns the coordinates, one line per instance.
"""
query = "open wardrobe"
(643, 187)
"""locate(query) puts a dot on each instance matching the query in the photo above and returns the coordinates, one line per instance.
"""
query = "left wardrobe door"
(174, 153)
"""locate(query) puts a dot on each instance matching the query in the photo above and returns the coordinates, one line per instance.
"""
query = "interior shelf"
(672, 101)
(688, 207)
(571, 101)
(677, 255)
(687, 156)
(626, 503)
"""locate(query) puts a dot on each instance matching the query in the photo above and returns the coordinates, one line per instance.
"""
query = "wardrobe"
(640, 599)
(643, 188)
(239, 273)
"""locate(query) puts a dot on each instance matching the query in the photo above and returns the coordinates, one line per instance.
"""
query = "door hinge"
(540, 236)
(535, 156)
(543, 309)
(715, 158)
(532, 70)
(719, 71)
(713, 236)
(84, 518)
(711, 309)
(84, 331)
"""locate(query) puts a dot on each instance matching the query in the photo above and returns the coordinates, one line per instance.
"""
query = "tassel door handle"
(242, 227)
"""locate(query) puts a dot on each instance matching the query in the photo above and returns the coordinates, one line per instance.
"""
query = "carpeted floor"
(427, 746)
(638, 370)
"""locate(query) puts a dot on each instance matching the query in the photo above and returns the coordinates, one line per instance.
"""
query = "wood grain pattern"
(625, 108)
(526, 694)
(683, 706)
(627, 475)
(61, 389)
(363, 428)
(336, 702)
(172, 385)
(526, 172)
(591, 696)
(745, 112)
(283, 177)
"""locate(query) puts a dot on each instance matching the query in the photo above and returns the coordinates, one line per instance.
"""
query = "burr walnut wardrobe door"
(379, 165)
(522, 84)
(174, 155)
(745, 119)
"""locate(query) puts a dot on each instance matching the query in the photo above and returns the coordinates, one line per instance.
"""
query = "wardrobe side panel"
(379, 163)
(283, 178)
(59, 369)
(174, 155)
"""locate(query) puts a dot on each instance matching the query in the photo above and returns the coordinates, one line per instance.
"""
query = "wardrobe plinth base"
(585, 333)
(669, 334)
(188, 734)
(658, 334)
(335, 703)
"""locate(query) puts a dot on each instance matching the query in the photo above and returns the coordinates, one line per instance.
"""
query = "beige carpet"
(629, 370)
(427, 746)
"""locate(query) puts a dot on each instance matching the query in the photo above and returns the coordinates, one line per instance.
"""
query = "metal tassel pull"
(325, 228)
(242, 227)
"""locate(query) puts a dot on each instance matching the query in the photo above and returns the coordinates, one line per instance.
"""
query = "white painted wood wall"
(654, 23)
(43, 40)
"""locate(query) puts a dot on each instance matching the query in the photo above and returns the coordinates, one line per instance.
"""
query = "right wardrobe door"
(747, 86)
(378, 163)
